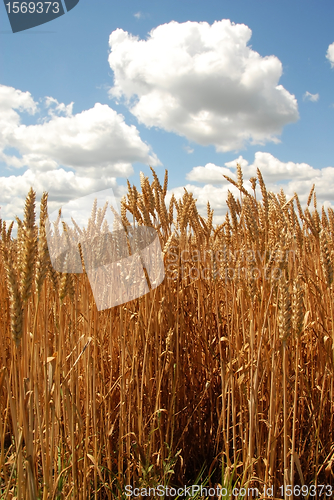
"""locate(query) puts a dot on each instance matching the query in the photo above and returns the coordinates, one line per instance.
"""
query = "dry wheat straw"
(220, 366)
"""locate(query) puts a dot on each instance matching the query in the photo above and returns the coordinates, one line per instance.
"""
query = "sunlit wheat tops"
(43, 260)
(13, 282)
(28, 246)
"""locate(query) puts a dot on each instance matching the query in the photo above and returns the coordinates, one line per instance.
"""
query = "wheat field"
(225, 368)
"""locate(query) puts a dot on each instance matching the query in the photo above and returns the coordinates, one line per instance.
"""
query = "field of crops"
(225, 368)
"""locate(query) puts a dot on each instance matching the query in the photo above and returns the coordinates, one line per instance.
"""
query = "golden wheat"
(228, 363)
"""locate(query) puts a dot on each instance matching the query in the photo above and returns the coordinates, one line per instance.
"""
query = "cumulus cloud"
(209, 174)
(272, 169)
(96, 141)
(311, 97)
(202, 82)
(12, 101)
(56, 108)
(293, 177)
(61, 185)
(96, 144)
(330, 54)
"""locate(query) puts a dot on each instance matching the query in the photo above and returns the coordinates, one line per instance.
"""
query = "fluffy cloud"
(311, 97)
(209, 174)
(330, 54)
(203, 82)
(293, 177)
(94, 141)
(61, 185)
(96, 144)
(272, 169)
(58, 108)
(10, 101)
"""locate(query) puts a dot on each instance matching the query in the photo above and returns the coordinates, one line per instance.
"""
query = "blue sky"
(192, 98)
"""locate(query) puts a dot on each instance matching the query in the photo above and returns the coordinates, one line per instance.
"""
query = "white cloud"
(311, 97)
(208, 174)
(94, 141)
(203, 82)
(188, 149)
(293, 177)
(11, 100)
(139, 15)
(96, 144)
(61, 185)
(272, 169)
(330, 54)
(59, 108)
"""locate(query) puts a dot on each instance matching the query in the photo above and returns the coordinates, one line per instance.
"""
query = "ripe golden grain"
(229, 361)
